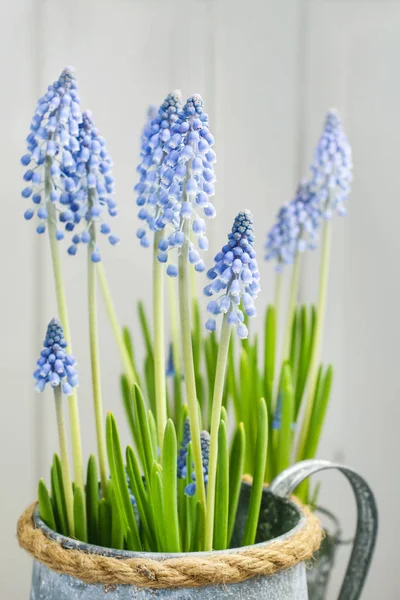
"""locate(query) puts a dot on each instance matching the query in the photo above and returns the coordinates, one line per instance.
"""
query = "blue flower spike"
(332, 168)
(177, 178)
(55, 366)
(190, 489)
(158, 131)
(235, 277)
(91, 194)
(296, 228)
(52, 142)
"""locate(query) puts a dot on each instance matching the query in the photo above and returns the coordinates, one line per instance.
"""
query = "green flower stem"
(95, 359)
(66, 473)
(294, 286)
(188, 367)
(215, 420)
(176, 350)
(159, 350)
(320, 317)
(117, 330)
(63, 314)
(278, 293)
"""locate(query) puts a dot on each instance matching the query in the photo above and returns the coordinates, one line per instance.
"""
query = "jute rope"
(184, 572)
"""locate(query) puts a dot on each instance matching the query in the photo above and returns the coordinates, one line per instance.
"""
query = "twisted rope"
(183, 572)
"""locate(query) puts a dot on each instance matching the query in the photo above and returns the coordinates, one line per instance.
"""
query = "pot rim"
(73, 544)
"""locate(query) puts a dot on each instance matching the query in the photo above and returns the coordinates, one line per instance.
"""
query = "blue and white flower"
(51, 145)
(296, 228)
(177, 179)
(332, 168)
(235, 277)
(55, 366)
(90, 197)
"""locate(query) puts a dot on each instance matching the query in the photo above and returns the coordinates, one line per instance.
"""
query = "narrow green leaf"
(127, 400)
(127, 337)
(157, 502)
(145, 444)
(79, 515)
(105, 523)
(222, 491)
(92, 501)
(247, 409)
(224, 415)
(236, 465)
(45, 506)
(319, 411)
(189, 502)
(269, 352)
(233, 388)
(196, 536)
(144, 324)
(150, 384)
(258, 479)
(169, 457)
(117, 527)
(57, 492)
(141, 497)
(118, 476)
(295, 342)
(287, 418)
(153, 431)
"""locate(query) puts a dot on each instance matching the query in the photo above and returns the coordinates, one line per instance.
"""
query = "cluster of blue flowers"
(325, 193)
(235, 276)
(332, 168)
(66, 158)
(177, 178)
(55, 366)
(296, 228)
(190, 489)
(93, 188)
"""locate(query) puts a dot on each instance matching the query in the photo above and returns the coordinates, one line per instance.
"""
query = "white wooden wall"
(268, 70)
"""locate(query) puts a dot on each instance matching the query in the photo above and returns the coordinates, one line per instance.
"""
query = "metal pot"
(280, 518)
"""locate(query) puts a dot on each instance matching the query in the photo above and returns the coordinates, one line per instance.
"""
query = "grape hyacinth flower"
(296, 228)
(51, 145)
(332, 168)
(187, 185)
(235, 277)
(55, 366)
(91, 190)
(190, 489)
(156, 134)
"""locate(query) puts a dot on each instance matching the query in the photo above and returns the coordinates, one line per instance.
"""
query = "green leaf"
(250, 530)
(142, 500)
(79, 515)
(150, 383)
(92, 501)
(222, 491)
(105, 523)
(145, 444)
(120, 484)
(236, 465)
(144, 324)
(247, 408)
(57, 493)
(127, 400)
(321, 401)
(189, 503)
(45, 506)
(117, 527)
(153, 431)
(169, 458)
(233, 388)
(157, 502)
(196, 536)
(224, 415)
(287, 419)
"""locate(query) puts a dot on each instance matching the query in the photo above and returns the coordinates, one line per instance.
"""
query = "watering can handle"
(367, 518)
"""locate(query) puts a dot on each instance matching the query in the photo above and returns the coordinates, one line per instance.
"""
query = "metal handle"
(367, 518)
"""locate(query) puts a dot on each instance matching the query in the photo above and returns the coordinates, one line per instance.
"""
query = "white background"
(268, 71)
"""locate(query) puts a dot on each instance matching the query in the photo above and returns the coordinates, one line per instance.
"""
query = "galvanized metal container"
(280, 518)
(319, 575)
